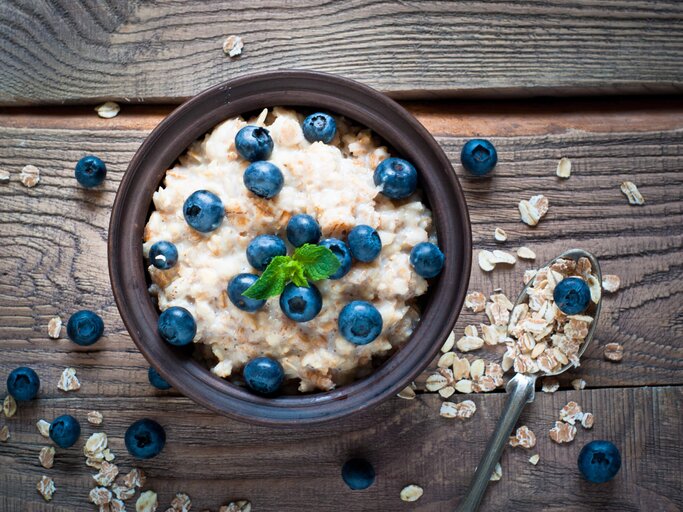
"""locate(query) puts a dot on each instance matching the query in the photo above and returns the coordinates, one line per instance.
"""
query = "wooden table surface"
(53, 237)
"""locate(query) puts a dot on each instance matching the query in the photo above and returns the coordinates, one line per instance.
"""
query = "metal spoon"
(520, 391)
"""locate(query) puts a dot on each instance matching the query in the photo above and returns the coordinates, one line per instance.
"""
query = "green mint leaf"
(318, 262)
(272, 281)
(295, 273)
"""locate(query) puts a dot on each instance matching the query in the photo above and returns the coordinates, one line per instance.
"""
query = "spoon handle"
(520, 391)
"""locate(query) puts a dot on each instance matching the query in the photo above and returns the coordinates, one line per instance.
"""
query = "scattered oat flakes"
(9, 406)
(564, 168)
(461, 368)
(46, 487)
(108, 109)
(4, 176)
(117, 505)
(477, 368)
(630, 190)
(587, 420)
(108, 472)
(525, 253)
(136, 478)
(446, 360)
(534, 459)
(95, 418)
(611, 283)
(462, 410)
(54, 327)
(232, 46)
(449, 343)
(523, 437)
(122, 492)
(464, 386)
(500, 235)
(497, 473)
(579, 384)
(236, 506)
(181, 503)
(68, 381)
(43, 427)
(100, 495)
(485, 259)
(447, 392)
(4, 433)
(29, 176)
(562, 432)
(475, 301)
(96, 451)
(436, 381)
(47, 456)
(571, 412)
(411, 492)
(503, 257)
(147, 502)
(407, 393)
(528, 275)
(533, 210)
(614, 352)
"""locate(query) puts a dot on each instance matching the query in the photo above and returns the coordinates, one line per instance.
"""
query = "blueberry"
(572, 295)
(360, 322)
(263, 249)
(264, 375)
(23, 384)
(397, 177)
(254, 143)
(427, 259)
(478, 157)
(163, 255)
(303, 229)
(236, 288)
(599, 461)
(65, 431)
(177, 326)
(84, 327)
(358, 474)
(203, 211)
(264, 179)
(145, 439)
(364, 243)
(319, 127)
(343, 254)
(299, 303)
(90, 171)
(157, 380)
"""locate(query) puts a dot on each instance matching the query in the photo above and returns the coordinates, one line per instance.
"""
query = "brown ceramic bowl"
(199, 115)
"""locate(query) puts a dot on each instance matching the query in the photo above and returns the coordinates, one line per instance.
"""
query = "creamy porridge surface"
(331, 182)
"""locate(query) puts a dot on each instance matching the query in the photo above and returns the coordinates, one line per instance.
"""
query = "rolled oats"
(497, 473)
(579, 384)
(100, 495)
(181, 503)
(147, 502)
(534, 459)
(29, 176)
(46, 487)
(122, 492)
(469, 343)
(611, 283)
(108, 110)
(54, 327)
(523, 437)
(68, 381)
(497, 314)
(449, 343)
(587, 420)
(475, 301)
(632, 193)
(485, 384)
(108, 472)
(9, 406)
(136, 478)
(533, 210)
(525, 253)
(477, 368)
(485, 259)
(503, 257)
(411, 493)
(614, 352)
(447, 392)
(47, 456)
(436, 381)
(4, 433)
(117, 505)
(500, 235)
(562, 432)
(236, 506)
(461, 368)
(446, 360)
(43, 427)
(464, 386)
(571, 413)
(407, 393)
(232, 46)
(95, 418)
(564, 168)
(528, 275)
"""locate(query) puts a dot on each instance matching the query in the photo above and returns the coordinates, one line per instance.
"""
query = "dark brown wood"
(86, 51)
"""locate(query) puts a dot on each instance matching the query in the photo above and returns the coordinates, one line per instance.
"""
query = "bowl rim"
(305, 89)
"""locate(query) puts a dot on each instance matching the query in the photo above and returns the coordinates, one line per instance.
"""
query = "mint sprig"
(308, 263)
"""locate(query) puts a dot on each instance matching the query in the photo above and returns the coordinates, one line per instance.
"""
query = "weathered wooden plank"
(53, 250)
(214, 459)
(154, 51)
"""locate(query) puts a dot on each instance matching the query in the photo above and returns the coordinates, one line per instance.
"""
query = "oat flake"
(4, 433)
(54, 327)
(232, 46)
(500, 235)
(136, 478)
(614, 352)
(236, 506)
(9, 406)
(117, 505)
(407, 393)
(534, 459)
(579, 384)
(181, 503)
(95, 418)
(449, 343)
(108, 472)
(100, 495)
(630, 190)
(122, 492)
(587, 420)
(29, 176)
(564, 168)
(46, 487)
(562, 432)
(68, 381)
(503, 257)
(108, 110)
(147, 502)
(611, 283)
(475, 301)
(524, 437)
(497, 473)
(47, 456)
(43, 427)
(411, 493)
(485, 259)
(525, 253)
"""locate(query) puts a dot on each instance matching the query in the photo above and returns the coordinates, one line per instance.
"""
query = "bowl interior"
(308, 90)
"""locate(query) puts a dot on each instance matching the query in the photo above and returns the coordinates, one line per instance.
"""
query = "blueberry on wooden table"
(90, 171)
(478, 157)
(572, 295)
(599, 461)
(303, 229)
(84, 327)
(237, 286)
(65, 431)
(23, 384)
(262, 249)
(163, 255)
(360, 322)
(263, 179)
(203, 211)
(264, 375)
(397, 177)
(343, 254)
(300, 303)
(364, 243)
(427, 259)
(358, 474)
(319, 127)
(145, 439)
(157, 380)
(254, 143)
(176, 326)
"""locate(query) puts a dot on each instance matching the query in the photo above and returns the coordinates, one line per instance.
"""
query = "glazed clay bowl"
(306, 90)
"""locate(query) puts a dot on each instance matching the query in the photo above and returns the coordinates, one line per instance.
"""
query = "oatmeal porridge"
(332, 183)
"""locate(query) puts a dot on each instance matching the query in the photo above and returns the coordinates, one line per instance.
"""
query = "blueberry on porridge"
(293, 239)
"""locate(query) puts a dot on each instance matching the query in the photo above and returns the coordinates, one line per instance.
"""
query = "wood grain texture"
(215, 460)
(83, 51)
